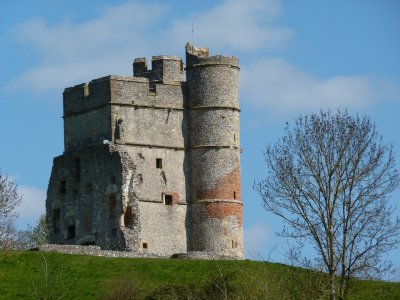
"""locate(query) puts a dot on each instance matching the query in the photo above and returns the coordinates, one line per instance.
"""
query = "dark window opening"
(56, 220)
(234, 244)
(168, 199)
(128, 217)
(71, 232)
(140, 178)
(158, 163)
(112, 202)
(234, 137)
(89, 187)
(234, 195)
(77, 170)
(113, 179)
(144, 245)
(90, 243)
(63, 187)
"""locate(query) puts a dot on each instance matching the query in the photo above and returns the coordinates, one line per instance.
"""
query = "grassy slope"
(83, 277)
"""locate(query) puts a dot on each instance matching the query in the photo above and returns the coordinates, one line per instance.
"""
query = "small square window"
(168, 199)
(144, 245)
(158, 163)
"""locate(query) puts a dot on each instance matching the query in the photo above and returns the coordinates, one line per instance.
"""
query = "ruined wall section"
(216, 210)
(160, 173)
(85, 200)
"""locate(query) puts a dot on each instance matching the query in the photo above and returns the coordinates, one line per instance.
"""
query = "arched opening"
(128, 217)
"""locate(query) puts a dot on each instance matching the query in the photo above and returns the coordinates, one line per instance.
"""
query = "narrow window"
(111, 207)
(71, 232)
(140, 178)
(168, 199)
(234, 244)
(63, 187)
(56, 220)
(234, 195)
(158, 163)
(144, 245)
(89, 187)
(77, 170)
(128, 217)
(234, 137)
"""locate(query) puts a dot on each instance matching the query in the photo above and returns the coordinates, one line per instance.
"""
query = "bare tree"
(329, 179)
(9, 200)
(33, 236)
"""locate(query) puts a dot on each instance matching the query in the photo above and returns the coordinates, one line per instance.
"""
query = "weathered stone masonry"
(151, 162)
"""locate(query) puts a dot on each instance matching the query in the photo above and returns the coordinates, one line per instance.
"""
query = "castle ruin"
(151, 163)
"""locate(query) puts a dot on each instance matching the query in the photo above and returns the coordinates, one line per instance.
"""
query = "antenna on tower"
(192, 34)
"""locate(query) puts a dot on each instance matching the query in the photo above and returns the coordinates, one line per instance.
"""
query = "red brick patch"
(222, 210)
(227, 187)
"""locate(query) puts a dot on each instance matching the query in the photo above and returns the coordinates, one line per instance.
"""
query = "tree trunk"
(332, 287)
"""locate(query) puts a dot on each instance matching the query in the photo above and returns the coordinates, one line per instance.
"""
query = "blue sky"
(296, 57)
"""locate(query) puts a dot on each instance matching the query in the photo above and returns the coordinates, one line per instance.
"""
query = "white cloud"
(32, 206)
(117, 26)
(235, 24)
(255, 240)
(278, 86)
(71, 52)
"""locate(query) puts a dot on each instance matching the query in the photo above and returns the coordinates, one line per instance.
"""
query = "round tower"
(216, 206)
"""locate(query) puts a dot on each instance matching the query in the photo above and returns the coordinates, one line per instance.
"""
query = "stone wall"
(82, 184)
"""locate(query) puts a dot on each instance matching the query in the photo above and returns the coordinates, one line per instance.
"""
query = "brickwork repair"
(152, 162)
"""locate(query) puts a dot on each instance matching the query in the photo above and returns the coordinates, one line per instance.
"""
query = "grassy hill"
(23, 274)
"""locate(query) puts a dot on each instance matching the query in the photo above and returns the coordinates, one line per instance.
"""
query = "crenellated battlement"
(196, 57)
(164, 68)
(83, 97)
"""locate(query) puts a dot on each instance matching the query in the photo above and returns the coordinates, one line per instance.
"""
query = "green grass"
(87, 277)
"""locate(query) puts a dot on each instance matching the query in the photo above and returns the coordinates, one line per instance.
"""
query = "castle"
(152, 162)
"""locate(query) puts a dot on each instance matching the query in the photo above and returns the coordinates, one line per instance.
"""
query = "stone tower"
(215, 152)
(152, 163)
